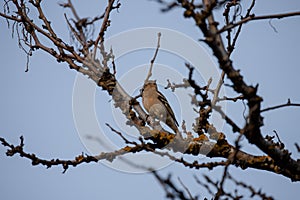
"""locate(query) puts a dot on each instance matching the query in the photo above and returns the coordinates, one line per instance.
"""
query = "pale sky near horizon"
(40, 104)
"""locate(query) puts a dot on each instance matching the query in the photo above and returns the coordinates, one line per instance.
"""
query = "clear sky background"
(38, 105)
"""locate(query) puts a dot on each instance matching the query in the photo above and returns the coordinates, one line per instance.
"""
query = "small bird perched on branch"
(157, 105)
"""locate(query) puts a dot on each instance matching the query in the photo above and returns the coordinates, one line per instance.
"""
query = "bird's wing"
(163, 99)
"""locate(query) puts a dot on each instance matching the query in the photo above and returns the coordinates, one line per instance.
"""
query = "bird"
(157, 105)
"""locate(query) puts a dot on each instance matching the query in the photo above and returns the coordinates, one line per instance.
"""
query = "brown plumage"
(157, 105)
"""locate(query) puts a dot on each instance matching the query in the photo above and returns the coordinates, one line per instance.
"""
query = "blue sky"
(39, 104)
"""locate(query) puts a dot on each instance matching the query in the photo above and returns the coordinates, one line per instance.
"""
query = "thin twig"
(173, 86)
(120, 134)
(280, 106)
(105, 24)
(171, 190)
(240, 28)
(262, 17)
(251, 189)
(234, 99)
(217, 90)
(281, 143)
(153, 59)
(297, 147)
(186, 189)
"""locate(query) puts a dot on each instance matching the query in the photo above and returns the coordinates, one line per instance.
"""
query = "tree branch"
(254, 18)
(288, 104)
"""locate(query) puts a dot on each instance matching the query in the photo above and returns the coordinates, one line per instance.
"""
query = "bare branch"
(105, 24)
(171, 190)
(173, 86)
(187, 190)
(206, 23)
(288, 104)
(210, 142)
(297, 147)
(217, 90)
(234, 99)
(153, 59)
(48, 163)
(120, 134)
(254, 18)
(253, 191)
